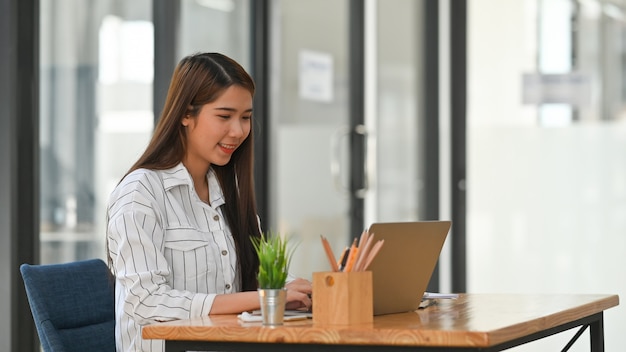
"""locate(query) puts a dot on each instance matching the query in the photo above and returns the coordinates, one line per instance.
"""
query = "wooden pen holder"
(343, 298)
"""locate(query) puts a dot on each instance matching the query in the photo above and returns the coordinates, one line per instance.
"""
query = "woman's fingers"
(296, 299)
(300, 285)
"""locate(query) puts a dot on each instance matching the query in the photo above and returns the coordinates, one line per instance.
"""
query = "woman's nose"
(237, 128)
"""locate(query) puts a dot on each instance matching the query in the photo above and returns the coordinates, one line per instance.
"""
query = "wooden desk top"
(472, 320)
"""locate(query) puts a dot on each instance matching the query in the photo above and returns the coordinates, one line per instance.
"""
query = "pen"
(354, 250)
(344, 258)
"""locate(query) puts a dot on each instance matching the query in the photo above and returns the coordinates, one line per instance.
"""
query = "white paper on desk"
(289, 312)
(432, 295)
(251, 317)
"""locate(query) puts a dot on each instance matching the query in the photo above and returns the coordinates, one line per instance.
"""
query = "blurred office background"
(504, 116)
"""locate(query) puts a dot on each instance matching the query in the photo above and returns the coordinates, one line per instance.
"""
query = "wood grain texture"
(342, 298)
(472, 320)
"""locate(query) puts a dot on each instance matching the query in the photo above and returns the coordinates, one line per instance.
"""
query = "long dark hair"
(200, 79)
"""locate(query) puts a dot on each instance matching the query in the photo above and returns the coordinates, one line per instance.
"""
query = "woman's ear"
(186, 119)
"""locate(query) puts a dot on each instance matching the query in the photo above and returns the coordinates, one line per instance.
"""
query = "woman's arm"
(298, 296)
(233, 303)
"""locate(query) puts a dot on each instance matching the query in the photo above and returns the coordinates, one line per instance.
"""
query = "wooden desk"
(473, 322)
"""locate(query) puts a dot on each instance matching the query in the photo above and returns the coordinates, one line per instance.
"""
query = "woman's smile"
(227, 148)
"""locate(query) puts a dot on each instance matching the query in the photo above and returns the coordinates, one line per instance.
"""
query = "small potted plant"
(274, 259)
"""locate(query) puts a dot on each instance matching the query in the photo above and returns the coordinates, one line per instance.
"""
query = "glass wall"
(96, 71)
(215, 26)
(546, 174)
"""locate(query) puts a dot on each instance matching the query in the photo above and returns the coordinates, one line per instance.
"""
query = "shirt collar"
(215, 190)
(176, 176)
(179, 176)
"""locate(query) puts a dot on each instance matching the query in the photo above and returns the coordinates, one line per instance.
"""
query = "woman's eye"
(246, 117)
(224, 116)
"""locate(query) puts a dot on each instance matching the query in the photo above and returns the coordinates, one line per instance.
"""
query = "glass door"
(402, 115)
(393, 105)
(333, 171)
(309, 118)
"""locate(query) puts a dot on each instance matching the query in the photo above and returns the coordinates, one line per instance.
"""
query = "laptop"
(406, 261)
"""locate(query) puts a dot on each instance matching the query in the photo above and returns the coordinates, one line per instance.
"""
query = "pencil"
(354, 250)
(363, 253)
(362, 242)
(373, 253)
(330, 254)
(363, 238)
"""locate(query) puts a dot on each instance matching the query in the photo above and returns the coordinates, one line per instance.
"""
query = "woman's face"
(219, 129)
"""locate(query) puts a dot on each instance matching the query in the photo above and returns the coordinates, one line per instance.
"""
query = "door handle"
(335, 160)
(362, 131)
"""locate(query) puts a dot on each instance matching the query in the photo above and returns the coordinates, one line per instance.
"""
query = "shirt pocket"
(184, 239)
(189, 254)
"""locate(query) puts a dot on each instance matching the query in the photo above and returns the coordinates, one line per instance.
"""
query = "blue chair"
(72, 305)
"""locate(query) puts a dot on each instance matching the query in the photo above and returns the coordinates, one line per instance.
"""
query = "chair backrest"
(72, 305)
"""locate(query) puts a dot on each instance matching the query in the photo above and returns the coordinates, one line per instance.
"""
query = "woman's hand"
(299, 294)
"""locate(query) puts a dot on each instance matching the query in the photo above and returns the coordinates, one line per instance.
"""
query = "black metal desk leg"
(174, 346)
(596, 333)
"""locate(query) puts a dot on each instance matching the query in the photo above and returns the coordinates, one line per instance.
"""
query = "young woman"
(181, 219)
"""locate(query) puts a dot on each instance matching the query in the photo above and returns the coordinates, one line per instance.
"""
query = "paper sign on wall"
(316, 76)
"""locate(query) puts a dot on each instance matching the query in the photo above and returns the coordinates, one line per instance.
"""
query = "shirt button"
(227, 286)
(224, 252)
(216, 217)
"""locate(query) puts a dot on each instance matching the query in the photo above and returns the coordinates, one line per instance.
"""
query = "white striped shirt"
(172, 253)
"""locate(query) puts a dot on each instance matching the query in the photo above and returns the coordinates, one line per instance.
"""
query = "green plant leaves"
(274, 259)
